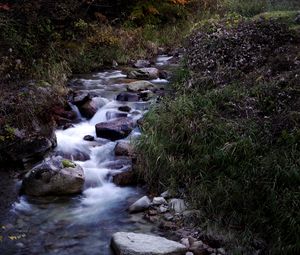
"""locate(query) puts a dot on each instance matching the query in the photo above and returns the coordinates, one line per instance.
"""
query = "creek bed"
(82, 224)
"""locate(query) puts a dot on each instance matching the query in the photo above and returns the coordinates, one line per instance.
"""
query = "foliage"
(222, 55)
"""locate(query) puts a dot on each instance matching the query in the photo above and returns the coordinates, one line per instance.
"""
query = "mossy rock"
(68, 164)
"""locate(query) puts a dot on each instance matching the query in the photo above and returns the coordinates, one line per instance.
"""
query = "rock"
(167, 226)
(75, 155)
(189, 253)
(128, 97)
(147, 95)
(163, 74)
(118, 164)
(140, 86)
(221, 251)
(185, 242)
(198, 248)
(159, 201)
(190, 216)
(115, 129)
(114, 64)
(88, 109)
(152, 212)
(140, 244)
(81, 98)
(127, 178)
(140, 205)
(163, 209)
(177, 205)
(29, 148)
(210, 250)
(54, 176)
(113, 115)
(148, 73)
(123, 149)
(89, 138)
(67, 126)
(142, 63)
(124, 108)
(167, 194)
(168, 216)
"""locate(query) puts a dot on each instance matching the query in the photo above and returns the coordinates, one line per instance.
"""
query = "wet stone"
(124, 108)
(89, 138)
(127, 97)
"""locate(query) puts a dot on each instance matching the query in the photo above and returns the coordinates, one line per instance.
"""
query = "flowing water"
(83, 224)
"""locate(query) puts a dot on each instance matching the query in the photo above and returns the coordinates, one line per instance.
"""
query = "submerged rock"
(115, 129)
(124, 243)
(140, 205)
(54, 176)
(113, 115)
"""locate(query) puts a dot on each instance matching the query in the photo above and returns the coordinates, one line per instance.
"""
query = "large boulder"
(140, 86)
(147, 73)
(124, 243)
(28, 146)
(115, 129)
(88, 109)
(54, 176)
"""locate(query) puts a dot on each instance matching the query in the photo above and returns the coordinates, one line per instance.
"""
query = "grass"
(250, 8)
(232, 149)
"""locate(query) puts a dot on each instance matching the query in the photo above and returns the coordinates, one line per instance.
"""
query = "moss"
(67, 163)
(287, 17)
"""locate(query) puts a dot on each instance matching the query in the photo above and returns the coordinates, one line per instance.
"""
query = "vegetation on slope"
(229, 141)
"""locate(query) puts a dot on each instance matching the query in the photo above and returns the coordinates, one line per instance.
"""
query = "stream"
(83, 224)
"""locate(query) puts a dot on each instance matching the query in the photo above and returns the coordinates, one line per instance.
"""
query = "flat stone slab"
(128, 243)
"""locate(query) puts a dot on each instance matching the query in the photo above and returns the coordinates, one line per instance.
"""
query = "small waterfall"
(59, 224)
